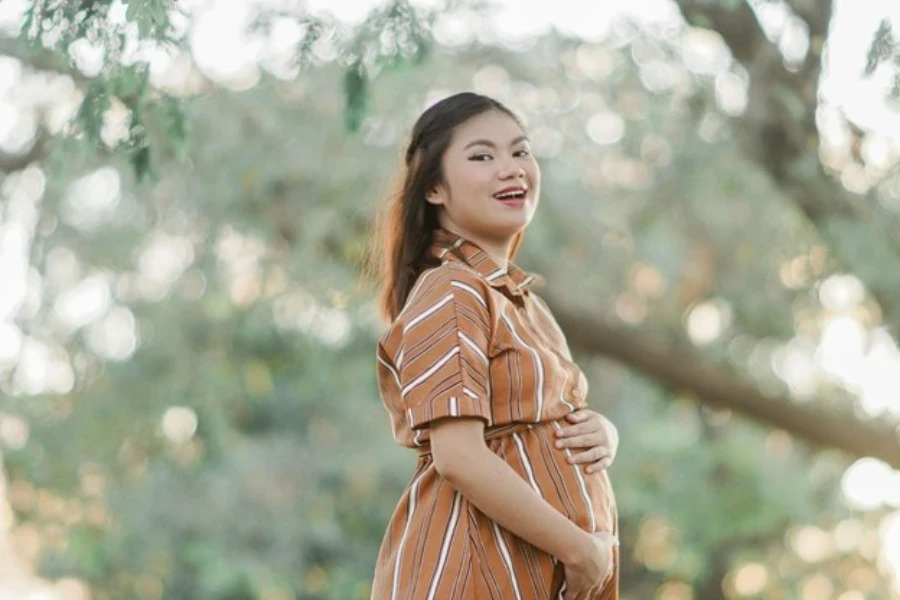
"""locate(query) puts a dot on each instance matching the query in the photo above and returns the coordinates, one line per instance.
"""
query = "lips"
(511, 193)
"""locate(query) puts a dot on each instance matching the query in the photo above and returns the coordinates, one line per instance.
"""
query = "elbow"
(457, 448)
(454, 466)
(446, 466)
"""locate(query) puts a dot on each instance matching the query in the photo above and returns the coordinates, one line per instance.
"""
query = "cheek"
(469, 178)
(534, 171)
(477, 183)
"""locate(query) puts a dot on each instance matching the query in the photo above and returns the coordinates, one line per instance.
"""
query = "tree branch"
(689, 371)
(778, 132)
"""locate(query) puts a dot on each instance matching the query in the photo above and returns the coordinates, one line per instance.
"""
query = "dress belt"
(489, 434)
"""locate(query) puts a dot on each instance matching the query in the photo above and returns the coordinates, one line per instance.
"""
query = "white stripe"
(454, 406)
(445, 547)
(495, 275)
(418, 285)
(468, 288)
(537, 361)
(427, 313)
(399, 360)
(540, 306)
(453, 352)
(389, 368)
(474, 347)
(562, 396)
(523, 456)
(456, 244)
(413, 492)
(507, 559)
(469, 393)
(582, 485)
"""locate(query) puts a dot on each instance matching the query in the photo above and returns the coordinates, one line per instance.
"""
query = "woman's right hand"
(586, 575)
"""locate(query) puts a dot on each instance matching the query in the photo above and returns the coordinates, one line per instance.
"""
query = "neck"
(497, 249)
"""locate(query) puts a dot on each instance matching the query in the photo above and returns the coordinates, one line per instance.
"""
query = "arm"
(462, 458)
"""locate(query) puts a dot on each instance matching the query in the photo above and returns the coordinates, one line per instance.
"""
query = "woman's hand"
(592, 433)
(587, 574)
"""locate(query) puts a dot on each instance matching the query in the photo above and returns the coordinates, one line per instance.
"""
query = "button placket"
(564, 362)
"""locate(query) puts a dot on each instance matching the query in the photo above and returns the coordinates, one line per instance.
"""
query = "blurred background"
(188, 405)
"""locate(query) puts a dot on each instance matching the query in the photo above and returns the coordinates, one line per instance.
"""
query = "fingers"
(578, 591)
(582, 594)
(589, 440)
(587, 422)
(582, 414)
(591, 455)
(591, 426)
(600, 465)
(595, 434)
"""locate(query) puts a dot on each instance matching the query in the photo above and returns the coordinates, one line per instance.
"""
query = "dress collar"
(451, 246)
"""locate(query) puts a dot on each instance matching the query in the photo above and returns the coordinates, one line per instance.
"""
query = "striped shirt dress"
(473, 341)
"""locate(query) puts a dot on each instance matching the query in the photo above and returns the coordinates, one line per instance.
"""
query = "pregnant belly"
(585, 498)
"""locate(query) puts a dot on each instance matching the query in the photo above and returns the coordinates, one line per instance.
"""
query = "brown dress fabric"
(473, 341)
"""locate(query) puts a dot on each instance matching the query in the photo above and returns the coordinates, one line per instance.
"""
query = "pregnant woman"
(478, 378)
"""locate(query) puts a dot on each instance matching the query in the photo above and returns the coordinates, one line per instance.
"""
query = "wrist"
(578, 550)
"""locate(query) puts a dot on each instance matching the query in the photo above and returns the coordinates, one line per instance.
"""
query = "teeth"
(508, 195)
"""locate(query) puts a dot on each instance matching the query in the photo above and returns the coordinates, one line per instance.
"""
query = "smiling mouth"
(512, 195)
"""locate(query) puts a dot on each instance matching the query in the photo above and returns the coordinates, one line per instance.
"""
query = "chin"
(510, 227)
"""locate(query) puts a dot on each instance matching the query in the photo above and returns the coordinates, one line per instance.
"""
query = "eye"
(524, 152)
(477, 157)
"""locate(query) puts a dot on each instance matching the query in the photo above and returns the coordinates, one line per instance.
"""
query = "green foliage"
(285, 487)
(68, 21)
(56, 25)
(885, 49)
(150, 112)
(151, 17)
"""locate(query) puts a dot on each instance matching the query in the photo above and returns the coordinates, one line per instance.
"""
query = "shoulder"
(450, 279)
(540, 302)
(448, 292)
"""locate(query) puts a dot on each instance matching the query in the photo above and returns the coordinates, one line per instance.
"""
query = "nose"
(512, 169)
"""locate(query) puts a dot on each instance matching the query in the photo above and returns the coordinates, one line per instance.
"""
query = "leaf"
(356, 96)
(133, 12)
(93, 107)
(174, 124)
(883, 46)
(142, 165)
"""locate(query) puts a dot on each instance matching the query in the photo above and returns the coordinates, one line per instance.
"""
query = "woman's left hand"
(594, 435)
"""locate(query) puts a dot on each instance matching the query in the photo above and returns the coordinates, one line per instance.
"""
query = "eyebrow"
(521, 138)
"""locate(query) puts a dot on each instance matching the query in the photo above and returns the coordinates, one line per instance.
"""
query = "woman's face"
(488, 154)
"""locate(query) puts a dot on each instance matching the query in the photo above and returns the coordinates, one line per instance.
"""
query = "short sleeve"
(443, 363)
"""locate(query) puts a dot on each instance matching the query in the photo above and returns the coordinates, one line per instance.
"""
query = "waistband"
(489, 434)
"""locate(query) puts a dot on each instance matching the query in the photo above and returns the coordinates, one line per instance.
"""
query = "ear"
(434, 196)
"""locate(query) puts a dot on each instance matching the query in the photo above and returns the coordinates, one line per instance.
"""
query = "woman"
(478, 378)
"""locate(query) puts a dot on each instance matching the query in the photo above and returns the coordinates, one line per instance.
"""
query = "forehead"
(493, 125)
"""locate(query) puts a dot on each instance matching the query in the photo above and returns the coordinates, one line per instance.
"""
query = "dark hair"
(405, 224)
